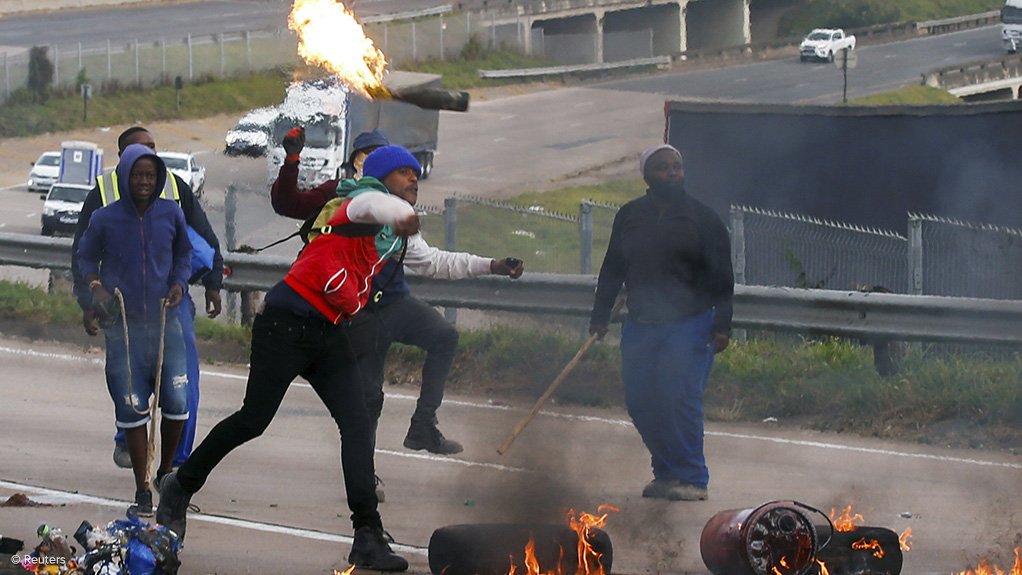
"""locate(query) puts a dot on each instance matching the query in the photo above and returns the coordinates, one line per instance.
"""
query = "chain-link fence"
(148, 62)
(547, 241)
(774, 248)
(963, 259)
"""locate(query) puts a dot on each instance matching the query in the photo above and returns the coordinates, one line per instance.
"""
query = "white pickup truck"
(823, 43)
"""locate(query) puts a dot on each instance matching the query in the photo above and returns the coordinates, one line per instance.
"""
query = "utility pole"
(844, 60)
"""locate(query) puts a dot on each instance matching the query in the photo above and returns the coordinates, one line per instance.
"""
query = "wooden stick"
(546, 394)
(554, 385)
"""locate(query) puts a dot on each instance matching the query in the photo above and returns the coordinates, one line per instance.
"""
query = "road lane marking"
(276, 528)
(464, 462)
(572, 417)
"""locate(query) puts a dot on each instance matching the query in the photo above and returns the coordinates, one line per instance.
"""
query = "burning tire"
(485, 549)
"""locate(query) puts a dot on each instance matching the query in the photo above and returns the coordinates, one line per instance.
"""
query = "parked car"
(251, 136)
(824, 43)
(44, 172)
(61, 207)
(187, 168)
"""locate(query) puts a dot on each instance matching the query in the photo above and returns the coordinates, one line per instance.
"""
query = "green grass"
(910, 96)
(546, 244)
(463, 73)
(861, 13)
(19, 117)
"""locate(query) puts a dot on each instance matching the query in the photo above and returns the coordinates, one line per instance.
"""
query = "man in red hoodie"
(298, 333)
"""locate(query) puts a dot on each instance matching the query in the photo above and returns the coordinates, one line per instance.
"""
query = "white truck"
(824, 43)
(332, 116)
(1011, 25)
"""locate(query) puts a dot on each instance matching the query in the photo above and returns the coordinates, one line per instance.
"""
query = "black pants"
(285, 346)
(410, 321)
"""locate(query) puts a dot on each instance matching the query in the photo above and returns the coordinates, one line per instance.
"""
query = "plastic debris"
(125, 547)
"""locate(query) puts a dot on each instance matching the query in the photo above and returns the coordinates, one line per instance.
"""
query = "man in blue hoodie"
(175, 189)
(135, 257)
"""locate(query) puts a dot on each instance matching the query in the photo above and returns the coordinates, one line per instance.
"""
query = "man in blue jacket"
(175, 189)
(135, 257)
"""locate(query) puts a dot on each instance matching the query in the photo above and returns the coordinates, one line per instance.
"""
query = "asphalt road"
(275, 505)
(123, 24)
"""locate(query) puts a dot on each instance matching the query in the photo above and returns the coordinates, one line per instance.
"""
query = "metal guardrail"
(959, 23)
(973, 73)
(410, 15)
(864, 35)
(851, 314)
(573, 69)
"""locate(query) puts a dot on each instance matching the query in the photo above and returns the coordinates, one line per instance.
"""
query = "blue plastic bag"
(202, 256)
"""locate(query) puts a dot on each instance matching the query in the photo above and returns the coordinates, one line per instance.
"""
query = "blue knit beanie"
(382, 161)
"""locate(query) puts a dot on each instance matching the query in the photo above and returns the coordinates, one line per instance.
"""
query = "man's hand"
(89, 322)
(720, 342)
(407, 226)
(175, 295)
(598, 329)
(213, 304)
(294, 141)
(511, 267)
(104, 308)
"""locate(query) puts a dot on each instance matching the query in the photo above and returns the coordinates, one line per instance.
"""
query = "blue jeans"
(131, 395)
(184, 447)
(664, 368)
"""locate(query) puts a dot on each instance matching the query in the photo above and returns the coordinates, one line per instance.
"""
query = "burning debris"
(776, 538)
(578, 548)
(780, 538)
(985, 568)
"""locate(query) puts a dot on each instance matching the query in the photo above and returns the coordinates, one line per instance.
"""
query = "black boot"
(370, 550)
(173, 509)
(423, 434)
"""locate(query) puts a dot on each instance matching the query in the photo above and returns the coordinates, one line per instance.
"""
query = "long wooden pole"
(555, 384)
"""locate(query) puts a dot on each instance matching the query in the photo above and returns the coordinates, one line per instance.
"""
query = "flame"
(846, 521)
(345, 572)
(823, 567)
(903, 539)
(873, 544)
(331, 37)
(582, 524)
(985, 568)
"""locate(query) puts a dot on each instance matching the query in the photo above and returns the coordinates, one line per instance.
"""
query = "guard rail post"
(738, 259)
(450, 244)
(915, 256)
(585, 239)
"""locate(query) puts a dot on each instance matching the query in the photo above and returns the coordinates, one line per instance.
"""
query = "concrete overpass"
(602, 30)
(996, 80)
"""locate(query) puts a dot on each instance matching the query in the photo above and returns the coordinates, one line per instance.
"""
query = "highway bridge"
(672, 26)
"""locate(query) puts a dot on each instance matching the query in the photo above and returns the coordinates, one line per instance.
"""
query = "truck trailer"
(333, 115)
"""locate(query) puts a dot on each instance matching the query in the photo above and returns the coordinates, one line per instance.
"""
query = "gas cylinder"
(776, 538)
